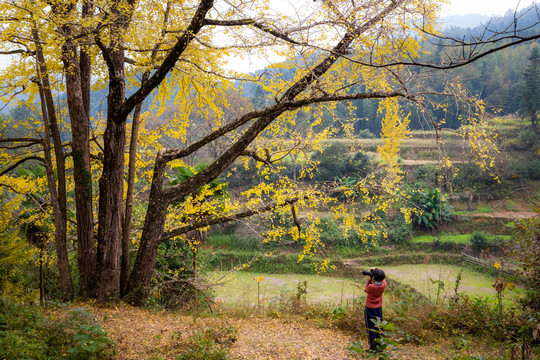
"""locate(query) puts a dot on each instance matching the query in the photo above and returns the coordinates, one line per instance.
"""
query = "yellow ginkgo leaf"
(510, 286)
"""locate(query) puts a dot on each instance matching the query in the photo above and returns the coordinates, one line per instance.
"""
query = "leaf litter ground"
(147, 334)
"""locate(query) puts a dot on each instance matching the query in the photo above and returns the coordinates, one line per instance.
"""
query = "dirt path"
(505, 214)
(142, 334)
(426, 162)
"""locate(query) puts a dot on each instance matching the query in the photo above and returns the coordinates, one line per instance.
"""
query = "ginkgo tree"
(178, 50)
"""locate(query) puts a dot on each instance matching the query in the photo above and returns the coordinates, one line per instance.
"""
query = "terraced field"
(244, 288)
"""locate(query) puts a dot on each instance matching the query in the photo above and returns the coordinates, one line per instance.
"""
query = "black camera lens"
(366, 272)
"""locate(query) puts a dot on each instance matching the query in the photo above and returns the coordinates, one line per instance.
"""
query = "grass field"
(241, 289)
(458, 239)
(472, 282)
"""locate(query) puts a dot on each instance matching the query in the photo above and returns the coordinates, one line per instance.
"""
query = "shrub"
(234, 241)
(528, 139)
(284, 264)
(360, 164)
(479, 242)
(369, 236)
(446, 246)
(365, 134)
(91, 342)
(471, 176)
(20, 332)
(18, 275)
(526, 248)
(399, 231)
(475, 316)
(468, 315)
(431, 208)
(209, 344)
(331, 162)
(26, 334)
(238, 176)
(428, 174)
(173, 282)
(335, 163)
(331, 234)
(527, 169)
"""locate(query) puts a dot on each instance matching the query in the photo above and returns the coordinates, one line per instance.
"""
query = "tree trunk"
(111, 184)
(111, 210)
(86, 60)
(139, 282)
(80, 129)
(126, 228)
(58, 197)
(139, 279)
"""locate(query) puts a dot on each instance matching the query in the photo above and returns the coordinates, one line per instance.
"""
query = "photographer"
(374, 289)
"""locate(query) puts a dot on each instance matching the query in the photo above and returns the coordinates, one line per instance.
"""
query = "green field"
(472, 282)
(458, 239)
(241, 288)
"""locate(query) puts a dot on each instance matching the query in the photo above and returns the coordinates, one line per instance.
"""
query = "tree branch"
(465, 61)
(28, 140)
(23, 88)
(20, 162)
(256, 157)
(278, 34)
(173, 154)
(223, 219)
(251, 212)
(196, 24)
(20, 51)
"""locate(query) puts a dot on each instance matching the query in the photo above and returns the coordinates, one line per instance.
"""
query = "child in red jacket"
(374, 289)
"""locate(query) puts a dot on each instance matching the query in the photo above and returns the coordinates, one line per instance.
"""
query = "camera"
(366, 273)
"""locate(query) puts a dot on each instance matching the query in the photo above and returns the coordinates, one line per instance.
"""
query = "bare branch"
(472, 48)
(18, 51)
(20, 162)
(172, 154)
(223, 219)
(32, 141)
(278, 34)
(23, 88)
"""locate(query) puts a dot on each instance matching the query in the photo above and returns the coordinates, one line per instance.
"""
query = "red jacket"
(374, 294)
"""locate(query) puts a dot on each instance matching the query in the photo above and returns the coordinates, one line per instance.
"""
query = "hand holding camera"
(366, 273)
(375, 274)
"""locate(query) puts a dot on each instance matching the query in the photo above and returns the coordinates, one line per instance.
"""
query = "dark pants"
(373, 333)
